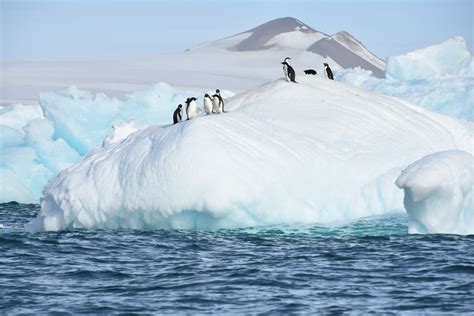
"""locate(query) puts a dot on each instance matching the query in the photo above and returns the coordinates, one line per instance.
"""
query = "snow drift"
(439, 193)
(317, 151)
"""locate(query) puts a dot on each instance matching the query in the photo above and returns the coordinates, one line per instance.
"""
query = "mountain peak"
(266, 31)
(282, 25)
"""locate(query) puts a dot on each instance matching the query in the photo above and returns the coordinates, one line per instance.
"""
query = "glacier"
(439, 194)
(317, 151)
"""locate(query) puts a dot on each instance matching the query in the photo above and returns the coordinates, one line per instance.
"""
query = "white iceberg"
(449, 58)
(449, 96)
(316, 151)
(39, 141)
(439, 78)
(439, 194)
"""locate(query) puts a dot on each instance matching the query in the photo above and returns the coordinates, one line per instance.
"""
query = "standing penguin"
(191, 108)
(217, 103)
(177, 115)
(288, 70)
(328, 71)
(207, 104)
(221, 99)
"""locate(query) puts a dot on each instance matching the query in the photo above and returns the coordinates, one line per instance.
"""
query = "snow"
(295, 40)
(449, 58)
(350, 42)
(317, 151)
(122, 130)
(439, 194)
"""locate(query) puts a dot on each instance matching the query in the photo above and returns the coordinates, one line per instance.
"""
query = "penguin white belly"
(285, 71)
(208, 105)
(217, 105)
(191, 110)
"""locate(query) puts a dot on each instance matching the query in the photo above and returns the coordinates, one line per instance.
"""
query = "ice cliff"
(439, 194)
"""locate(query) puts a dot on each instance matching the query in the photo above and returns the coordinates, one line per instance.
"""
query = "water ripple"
(370, 266)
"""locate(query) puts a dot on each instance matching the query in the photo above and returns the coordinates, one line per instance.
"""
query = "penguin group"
(215, 104)
(211, 105)
(290, 72)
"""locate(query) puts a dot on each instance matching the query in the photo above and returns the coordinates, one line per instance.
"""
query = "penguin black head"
(326, 65)
(187, 100)
(180, 106)
(206, 95)
(218, 91)
(287, 58)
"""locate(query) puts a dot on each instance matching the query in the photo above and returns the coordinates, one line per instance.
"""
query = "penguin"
(310, 72)
(207, 104)
(217, 103)
(177, 115)
(328, 72)
(288, 70)
(191, 108)
(221, 99)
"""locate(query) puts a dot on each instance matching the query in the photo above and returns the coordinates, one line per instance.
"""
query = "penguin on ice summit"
(218, 92)
(191, 108)
(177, 115)
(328, 71)
(218, 103)
(207, 104)
(288, 70)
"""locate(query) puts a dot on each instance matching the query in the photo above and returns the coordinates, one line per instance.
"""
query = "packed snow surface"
(439, 194)
(316, 151)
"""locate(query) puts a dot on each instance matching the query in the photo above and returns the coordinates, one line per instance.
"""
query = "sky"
(85, 29)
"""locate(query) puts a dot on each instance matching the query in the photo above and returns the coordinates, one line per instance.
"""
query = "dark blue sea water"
(371, 265)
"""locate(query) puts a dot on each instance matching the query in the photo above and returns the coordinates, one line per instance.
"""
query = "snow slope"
(439, 193)
(317, 151)
(350, 42)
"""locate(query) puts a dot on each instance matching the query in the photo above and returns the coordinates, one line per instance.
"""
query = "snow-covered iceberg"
(449, 58)
(316, 151)
(439, 78)
(39, 141)
(439, 194)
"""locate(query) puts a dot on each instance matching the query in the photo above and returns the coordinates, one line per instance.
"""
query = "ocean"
(369, 266)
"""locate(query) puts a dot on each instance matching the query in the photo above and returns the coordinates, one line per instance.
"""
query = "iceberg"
(317, 151)
(439, 194)
(449, 96)
(449, 58)
(439, 78)
(39, 141)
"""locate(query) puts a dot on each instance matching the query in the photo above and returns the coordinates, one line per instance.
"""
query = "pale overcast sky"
(45, 29)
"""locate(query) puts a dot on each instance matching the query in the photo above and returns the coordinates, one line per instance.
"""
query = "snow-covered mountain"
(291, 34)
